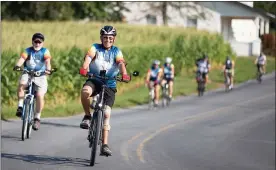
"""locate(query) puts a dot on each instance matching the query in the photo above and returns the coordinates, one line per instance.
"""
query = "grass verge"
(184, 85)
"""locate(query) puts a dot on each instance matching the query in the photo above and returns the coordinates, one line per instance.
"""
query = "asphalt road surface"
(229, 131)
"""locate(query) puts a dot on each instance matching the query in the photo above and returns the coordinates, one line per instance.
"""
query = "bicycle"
(96, 123)
(200, 83)
(29, 102)
(227, 80)
(259, 74)
(165, 95)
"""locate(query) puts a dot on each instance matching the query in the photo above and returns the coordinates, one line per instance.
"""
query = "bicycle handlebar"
(117, 78)
(36, 73)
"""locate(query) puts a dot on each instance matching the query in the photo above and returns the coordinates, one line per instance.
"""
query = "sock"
(20, 102)
(37, 115)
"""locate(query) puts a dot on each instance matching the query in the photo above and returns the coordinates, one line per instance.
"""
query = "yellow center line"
(125, 146)
(140, 148)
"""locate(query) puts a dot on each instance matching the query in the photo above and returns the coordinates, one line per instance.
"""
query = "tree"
(37, 11)
(268, 6)
(183, 7)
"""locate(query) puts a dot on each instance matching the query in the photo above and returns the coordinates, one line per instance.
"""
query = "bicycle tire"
(96, 135)
(25, 119)
(30, 117)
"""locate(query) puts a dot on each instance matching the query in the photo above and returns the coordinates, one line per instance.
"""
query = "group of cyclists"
(159, 75)
(104, 56)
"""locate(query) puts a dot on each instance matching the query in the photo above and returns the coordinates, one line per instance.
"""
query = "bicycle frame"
(31, 95)
(98, 107)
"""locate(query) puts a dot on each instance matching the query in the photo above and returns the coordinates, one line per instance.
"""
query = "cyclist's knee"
(106, 125)
(22, 86)
(86, 91)
(107, 112)
(40, 95)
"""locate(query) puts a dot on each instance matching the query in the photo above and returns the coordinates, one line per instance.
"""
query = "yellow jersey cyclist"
(168, 75)
(153, 78)
(104, 56)
(228, 67)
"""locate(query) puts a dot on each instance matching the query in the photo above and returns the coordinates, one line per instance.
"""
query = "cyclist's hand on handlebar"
(126, 78)
(48, 72)
(16, 68)
(83, 71)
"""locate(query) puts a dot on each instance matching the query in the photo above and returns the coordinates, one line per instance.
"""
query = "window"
(151, 19)
(192, 22)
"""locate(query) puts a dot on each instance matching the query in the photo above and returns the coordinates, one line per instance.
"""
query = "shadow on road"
(11, 137)
(59, 124)
(47, 160)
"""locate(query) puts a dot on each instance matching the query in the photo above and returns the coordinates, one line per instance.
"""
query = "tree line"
(61, 11)
(95, 11)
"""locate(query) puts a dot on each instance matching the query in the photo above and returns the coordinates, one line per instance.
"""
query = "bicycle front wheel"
(96, 135)
(30, 118)
(25, 119)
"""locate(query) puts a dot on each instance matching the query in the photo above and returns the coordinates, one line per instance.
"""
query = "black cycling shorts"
(168, 79)
(109, 95)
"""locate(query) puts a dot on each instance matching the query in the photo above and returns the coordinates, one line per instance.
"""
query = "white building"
(238, 22)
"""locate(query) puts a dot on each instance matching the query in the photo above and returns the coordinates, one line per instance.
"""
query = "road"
(229, 131)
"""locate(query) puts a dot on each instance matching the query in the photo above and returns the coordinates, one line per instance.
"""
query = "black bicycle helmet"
(108, 30)
(205, 56)
(39, 36)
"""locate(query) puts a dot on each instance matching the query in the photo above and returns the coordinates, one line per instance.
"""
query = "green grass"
(184, 85)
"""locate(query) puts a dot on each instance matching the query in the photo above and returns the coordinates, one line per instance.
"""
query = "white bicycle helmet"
(168, 60)
(157, 62)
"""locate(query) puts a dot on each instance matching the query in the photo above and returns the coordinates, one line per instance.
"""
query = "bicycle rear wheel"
(96, 134)
(25, 118)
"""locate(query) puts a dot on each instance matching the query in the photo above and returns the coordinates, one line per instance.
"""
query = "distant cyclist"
(261, 63)
(168, 75)
(203, 67)
(229, 66)
(154, 75)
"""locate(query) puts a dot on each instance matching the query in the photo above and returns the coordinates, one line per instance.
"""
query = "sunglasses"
(110, 38)
(37, 42)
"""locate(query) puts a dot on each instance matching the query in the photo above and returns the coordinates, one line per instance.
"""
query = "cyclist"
(168, 75)
(154, 75)
(203, 67)
(229, 66)
(37, 58)
(261, 62)
(104, 56)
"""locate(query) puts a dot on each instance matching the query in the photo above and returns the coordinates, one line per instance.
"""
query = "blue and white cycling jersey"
(105, 60)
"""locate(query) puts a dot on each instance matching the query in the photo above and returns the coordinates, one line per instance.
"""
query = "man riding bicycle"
(35, 58)
(154, 75)
(261, 62)
(228, 67)
(203, 67)
(104, 56)
(168, 75)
